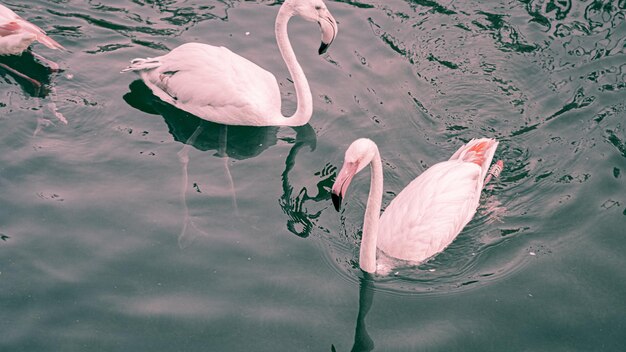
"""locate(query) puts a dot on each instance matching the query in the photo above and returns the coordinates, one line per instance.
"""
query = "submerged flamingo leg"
(34, 82)
(222, 153)
(185, 238)
(53, 106)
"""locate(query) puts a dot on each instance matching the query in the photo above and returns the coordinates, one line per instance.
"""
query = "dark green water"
(110, 242)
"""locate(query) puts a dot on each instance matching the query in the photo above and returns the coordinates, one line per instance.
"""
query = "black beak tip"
(336, 201)
(323, 48)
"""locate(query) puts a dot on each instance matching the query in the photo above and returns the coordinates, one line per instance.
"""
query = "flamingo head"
(357, 157)
(316, 11)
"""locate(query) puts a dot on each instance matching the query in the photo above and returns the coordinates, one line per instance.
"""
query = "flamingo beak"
(329, 29)
(342, 182)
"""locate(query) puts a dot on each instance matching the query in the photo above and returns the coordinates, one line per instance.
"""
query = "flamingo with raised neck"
(217, 85)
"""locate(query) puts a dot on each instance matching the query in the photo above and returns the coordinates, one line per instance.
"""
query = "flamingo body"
(429, 213)
(16, 34)
(218, 85)
(212, 82)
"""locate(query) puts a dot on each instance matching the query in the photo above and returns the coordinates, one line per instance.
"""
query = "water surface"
(120, 233)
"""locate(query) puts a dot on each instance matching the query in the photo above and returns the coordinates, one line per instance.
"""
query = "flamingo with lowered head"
(428, 214)
(217, 85)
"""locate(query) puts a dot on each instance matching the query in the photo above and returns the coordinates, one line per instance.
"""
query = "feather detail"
(478, 151)
(16, 34)
(430, 212)
(140, 64)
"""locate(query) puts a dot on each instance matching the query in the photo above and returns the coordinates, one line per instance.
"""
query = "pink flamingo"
(220, 86)
(16, 35)
(428, 214)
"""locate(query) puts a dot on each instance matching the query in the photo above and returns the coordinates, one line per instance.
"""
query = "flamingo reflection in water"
(243, 142)
(301, 222)
(362, 340)
(216, 85)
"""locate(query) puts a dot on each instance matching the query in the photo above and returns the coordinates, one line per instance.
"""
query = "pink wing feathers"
(478, 151)
(430, 212)
(21, 26)
(11, 24)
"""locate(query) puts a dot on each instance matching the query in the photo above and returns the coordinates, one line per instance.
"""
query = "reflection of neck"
(305, 135)
(362, 340)
(367, 257)
(303, 92)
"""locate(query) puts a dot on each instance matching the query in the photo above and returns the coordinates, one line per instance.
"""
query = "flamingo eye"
(318, 7)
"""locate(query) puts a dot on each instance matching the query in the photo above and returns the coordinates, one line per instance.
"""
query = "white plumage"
(429, 213)
(218, 85)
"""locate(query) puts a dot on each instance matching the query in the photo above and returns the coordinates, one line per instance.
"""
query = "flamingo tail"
(49, 42)
(478, 151)
(22, 25)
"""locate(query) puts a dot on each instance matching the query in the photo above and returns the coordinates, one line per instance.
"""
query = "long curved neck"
(303, 92)
(367, 257)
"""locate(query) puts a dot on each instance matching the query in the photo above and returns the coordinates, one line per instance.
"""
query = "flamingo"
(17, 34)
(217, 85)
(428, 214)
